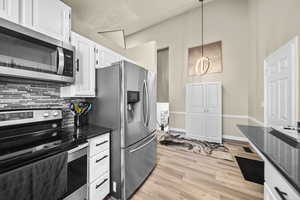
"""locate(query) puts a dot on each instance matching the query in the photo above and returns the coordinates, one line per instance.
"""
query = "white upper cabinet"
(84, 85)
(9, 9)
(52, 18)
(107, 57)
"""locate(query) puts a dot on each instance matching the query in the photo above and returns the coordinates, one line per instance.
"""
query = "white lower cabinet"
(268, 195)
(99, 167)
(99, 189)
(98, 144)
(99, 164)
(276, 186)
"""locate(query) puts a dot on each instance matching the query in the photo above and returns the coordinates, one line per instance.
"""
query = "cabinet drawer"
(277, 183)
(98, 144)
(99, 189)
(98, 165)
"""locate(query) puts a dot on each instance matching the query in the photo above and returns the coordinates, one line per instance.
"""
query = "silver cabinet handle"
(97, 186)
(99, 144)
(101, 158)
(281, 194)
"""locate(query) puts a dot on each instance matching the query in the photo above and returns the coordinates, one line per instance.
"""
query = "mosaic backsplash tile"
(24, 94)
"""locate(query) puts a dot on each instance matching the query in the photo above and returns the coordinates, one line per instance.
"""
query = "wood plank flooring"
(181, 175)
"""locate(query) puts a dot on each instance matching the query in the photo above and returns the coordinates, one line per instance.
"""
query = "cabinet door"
(9, 9)
(85, 75)
(195, 126)
(195, 98)
(107, 57)
(204, 111)
(213, 98)
(213, 128)
(49, 17)
(268, 195)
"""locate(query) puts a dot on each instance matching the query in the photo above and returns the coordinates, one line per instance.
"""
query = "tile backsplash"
(25, 94)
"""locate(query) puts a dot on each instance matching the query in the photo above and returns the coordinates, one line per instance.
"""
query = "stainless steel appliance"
(25, 53)
(126, 102)
(31, 135)
(77, 173)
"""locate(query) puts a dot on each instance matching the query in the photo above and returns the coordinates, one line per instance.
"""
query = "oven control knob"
(55, 114)
(46, 114)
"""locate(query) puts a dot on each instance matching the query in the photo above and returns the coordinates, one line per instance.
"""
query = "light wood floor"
(183, 175)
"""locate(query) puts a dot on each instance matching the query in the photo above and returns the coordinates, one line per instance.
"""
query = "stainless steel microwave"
(27, 54)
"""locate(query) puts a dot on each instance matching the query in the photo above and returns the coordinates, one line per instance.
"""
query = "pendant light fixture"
(203, 63)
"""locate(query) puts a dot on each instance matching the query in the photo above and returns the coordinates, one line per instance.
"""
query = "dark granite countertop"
(282, 151)
(88, 131)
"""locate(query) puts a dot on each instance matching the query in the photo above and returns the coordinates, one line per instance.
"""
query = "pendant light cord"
(202, 18)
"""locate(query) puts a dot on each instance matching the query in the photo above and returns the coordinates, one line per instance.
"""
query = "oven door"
(77, 173)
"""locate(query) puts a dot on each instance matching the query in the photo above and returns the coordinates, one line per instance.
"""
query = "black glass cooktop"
(22, 144)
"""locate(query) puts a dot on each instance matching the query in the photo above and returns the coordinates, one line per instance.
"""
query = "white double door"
(204, 111)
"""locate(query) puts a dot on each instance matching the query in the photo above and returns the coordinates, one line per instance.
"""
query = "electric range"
(30, 135)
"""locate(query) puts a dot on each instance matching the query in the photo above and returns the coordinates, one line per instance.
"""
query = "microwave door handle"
(61, 61)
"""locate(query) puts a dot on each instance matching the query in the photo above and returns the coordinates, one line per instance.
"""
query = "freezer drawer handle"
(99, 144)
(101, 158)
(142, 146)
(97, 186)
(281, 194)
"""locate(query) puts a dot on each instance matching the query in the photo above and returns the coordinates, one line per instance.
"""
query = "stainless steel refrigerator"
(126, 102)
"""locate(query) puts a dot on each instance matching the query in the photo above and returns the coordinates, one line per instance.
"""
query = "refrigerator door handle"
(143, 145)
(147, 96)
(145, 102)
(144, 91)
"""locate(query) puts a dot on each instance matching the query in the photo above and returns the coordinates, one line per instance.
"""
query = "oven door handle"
(60, 60)
(79, 148)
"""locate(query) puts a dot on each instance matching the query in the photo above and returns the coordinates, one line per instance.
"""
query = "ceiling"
(130, 15)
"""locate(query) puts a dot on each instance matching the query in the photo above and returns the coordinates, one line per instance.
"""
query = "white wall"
(225, 20)
(273, 23)
(144, 54)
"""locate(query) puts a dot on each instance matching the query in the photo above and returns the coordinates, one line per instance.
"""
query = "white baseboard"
(236, 116)
(236, 138)
(224, 115)
(229, 137)
(177, 130)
